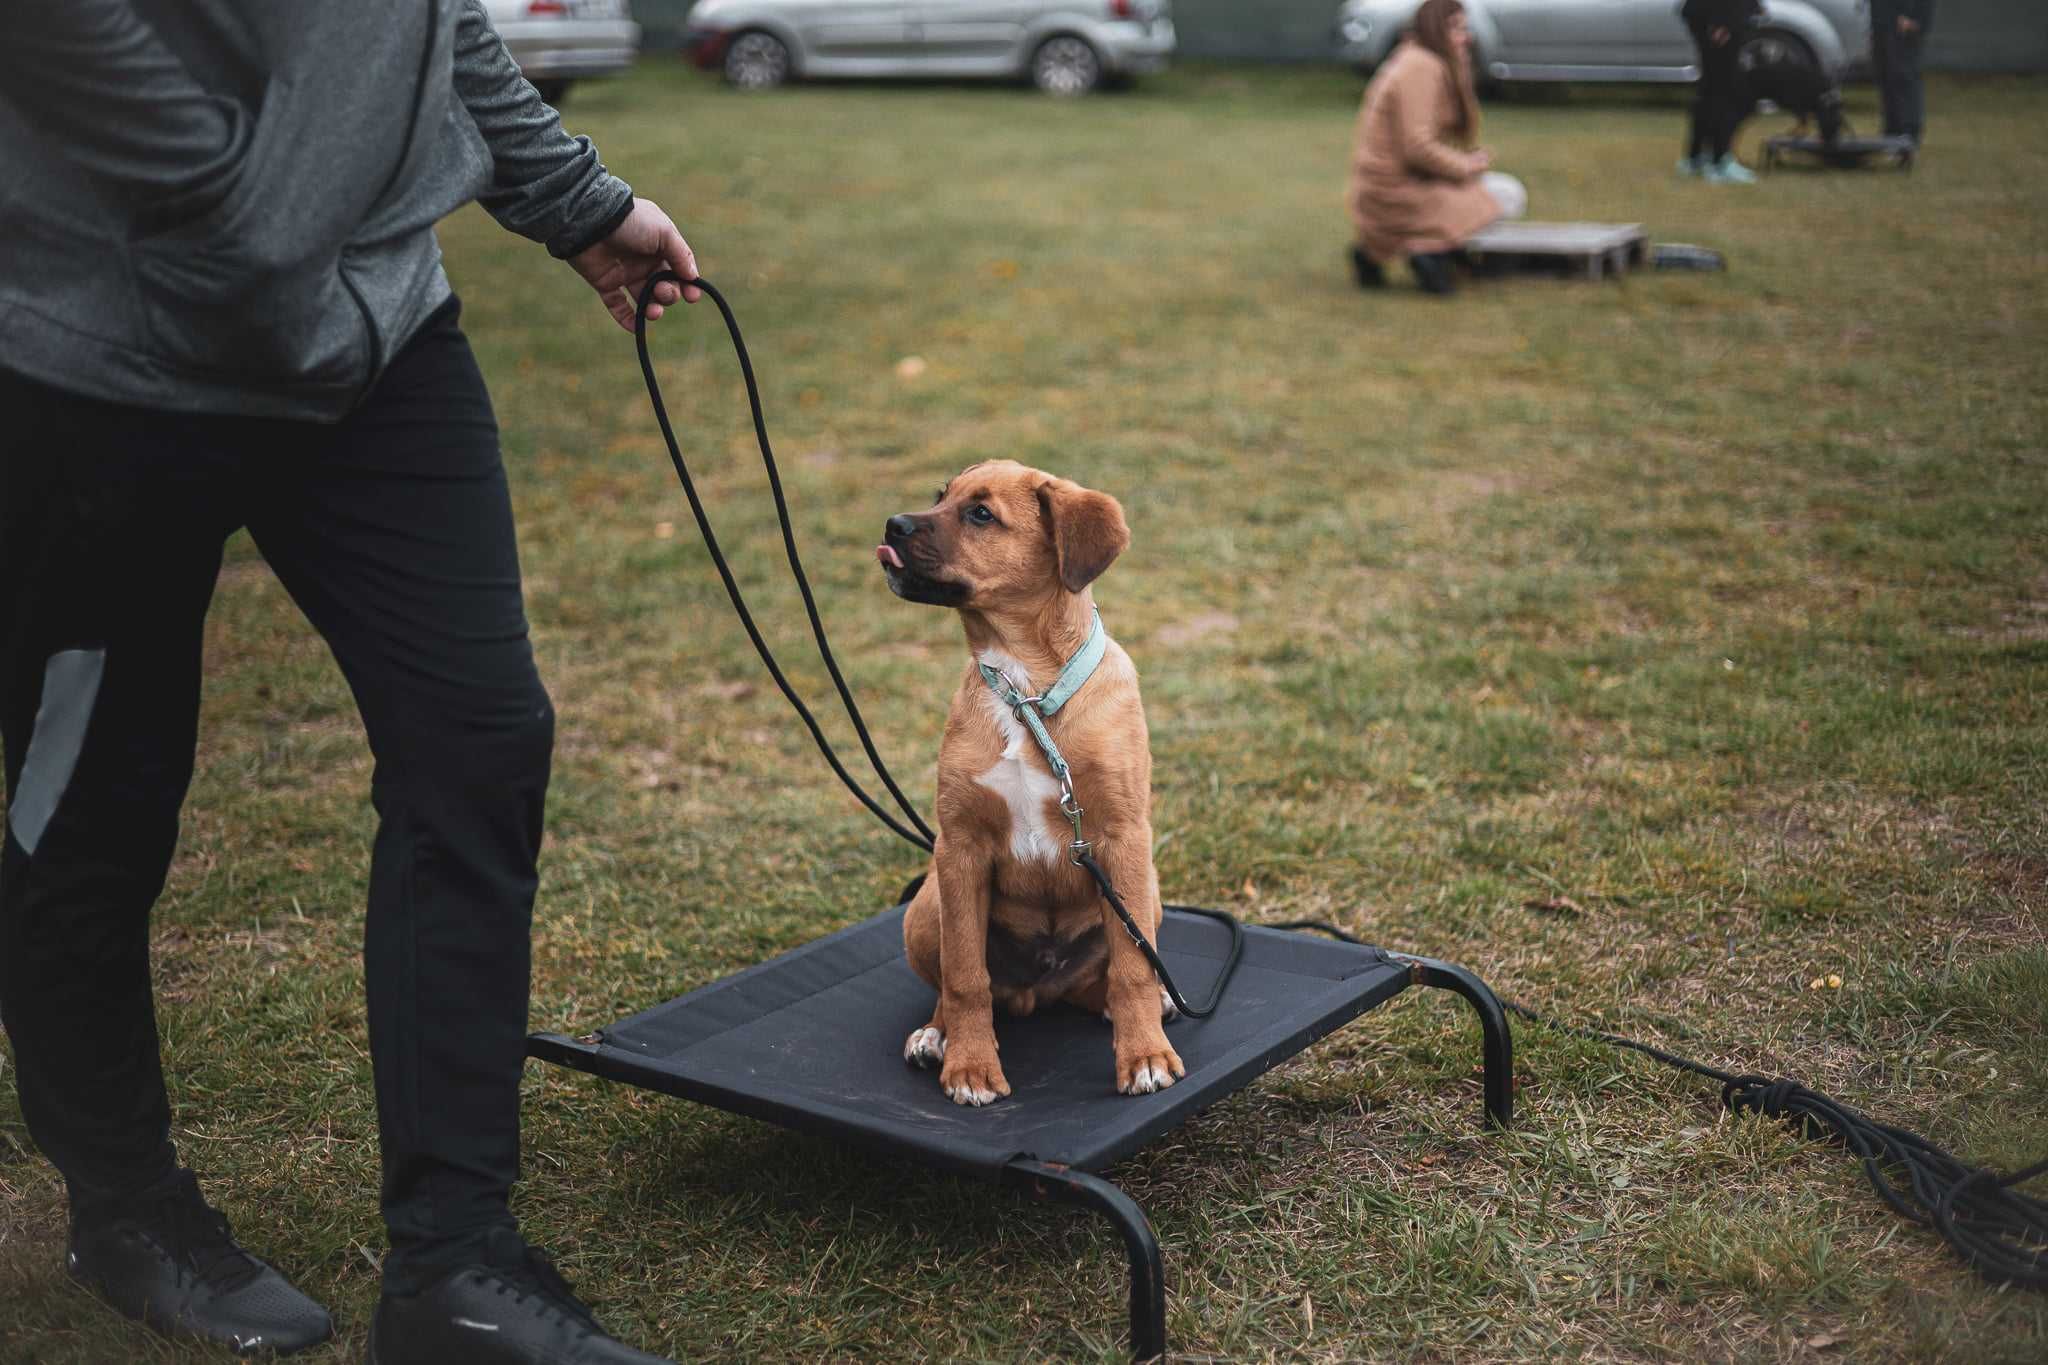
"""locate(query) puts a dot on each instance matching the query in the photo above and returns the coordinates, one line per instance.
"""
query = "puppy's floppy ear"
(1087, 528)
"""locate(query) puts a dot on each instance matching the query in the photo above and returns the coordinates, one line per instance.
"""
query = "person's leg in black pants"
(1717, 105)
(1722, 76)
(395, 538)
(393, 532)
(111, 527)
(1895, 67)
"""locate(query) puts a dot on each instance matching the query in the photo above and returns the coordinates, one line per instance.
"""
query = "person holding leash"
(1898, 34)
(1718, 106)
(222, 306)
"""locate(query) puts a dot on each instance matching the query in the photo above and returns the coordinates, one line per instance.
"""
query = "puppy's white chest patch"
(1020, 776)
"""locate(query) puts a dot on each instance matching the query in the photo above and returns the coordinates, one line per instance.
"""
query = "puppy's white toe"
(1168, 1011)
(971, 1094)
(926, 1047)
(1149, 1079)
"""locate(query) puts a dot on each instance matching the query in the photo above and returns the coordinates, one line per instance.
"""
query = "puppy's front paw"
(1143, 1071)
(973, 1080)
(925, 1048)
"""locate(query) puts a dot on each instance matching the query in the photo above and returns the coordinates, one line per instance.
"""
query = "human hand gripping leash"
(1999, 1232)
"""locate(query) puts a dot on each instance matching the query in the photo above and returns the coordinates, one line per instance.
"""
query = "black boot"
(1367, 271)
(512, 1307)
(1433, 272)
(167, 1258)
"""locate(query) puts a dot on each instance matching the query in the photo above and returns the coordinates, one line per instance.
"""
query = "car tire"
(756, 60)
(1066, 65)
(552, 92)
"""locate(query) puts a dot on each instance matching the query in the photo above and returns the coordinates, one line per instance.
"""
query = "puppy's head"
(1001, 535)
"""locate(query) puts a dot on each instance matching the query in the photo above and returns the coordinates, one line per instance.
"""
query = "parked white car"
(556, 42)
(1066, 47)
(1608, 40)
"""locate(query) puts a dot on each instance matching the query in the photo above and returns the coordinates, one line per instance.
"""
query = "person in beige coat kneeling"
(1420, 184)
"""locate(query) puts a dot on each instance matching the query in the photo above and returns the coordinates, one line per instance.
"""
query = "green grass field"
(1655, 649)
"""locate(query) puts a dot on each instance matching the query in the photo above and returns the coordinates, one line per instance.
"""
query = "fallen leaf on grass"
(1555, 905)
(910, 367)
(1820, 1341)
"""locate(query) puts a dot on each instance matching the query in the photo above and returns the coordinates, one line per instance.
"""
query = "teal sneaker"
(1688, 166)
(1728, 171)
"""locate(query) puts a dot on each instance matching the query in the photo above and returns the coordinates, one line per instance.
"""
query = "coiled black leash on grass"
(1999, 1232)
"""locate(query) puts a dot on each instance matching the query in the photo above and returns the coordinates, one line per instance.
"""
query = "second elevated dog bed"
(813, 1040)
(1846, 153)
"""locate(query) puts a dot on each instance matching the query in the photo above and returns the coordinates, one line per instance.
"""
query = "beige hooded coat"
(1411, 191)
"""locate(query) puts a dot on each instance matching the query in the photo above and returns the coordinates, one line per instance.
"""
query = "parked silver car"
(559, 41)
(1066, 47)
(1607, 40)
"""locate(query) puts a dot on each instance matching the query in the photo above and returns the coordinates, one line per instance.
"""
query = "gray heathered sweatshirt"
(228, 205)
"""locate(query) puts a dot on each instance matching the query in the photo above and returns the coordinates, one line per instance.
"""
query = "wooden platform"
(1846, 154)
(1582, 250)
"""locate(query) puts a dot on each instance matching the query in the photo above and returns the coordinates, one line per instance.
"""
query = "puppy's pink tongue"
(887, 554)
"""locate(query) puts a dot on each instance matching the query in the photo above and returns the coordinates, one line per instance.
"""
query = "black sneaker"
(1367, 271)
(1433, 272)
(515, 1308)
(167, 1258)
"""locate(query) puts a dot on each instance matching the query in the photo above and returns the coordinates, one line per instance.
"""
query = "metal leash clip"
(1070, 806)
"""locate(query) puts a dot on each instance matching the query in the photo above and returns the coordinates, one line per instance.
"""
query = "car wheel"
(1066, 65)
(553, 92)
(1774, 46)
(756, 61)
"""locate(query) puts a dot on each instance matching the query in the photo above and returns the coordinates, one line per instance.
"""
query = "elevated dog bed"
(1579, 250)
(1846, 153)
(813, 1040)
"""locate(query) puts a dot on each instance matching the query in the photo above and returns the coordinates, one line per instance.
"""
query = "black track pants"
(392, 531)
(1718, 103)
(1895, 66)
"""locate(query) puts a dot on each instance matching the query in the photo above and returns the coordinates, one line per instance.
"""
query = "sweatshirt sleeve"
(1422, 148)
(102, 86)
(545, 184)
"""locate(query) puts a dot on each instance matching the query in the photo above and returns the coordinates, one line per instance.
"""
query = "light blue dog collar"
(1032, 711)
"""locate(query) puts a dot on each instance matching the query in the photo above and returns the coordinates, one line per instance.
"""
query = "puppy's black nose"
(902, 526)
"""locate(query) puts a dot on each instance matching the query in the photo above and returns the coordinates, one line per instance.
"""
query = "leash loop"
(919, 833)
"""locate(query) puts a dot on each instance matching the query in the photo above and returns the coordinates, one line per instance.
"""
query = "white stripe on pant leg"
(71, 683)
(1507, 191)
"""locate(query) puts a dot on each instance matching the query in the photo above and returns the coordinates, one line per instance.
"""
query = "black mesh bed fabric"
(813, 1040)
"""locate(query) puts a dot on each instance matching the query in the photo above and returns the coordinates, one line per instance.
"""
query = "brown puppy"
(1005, 917)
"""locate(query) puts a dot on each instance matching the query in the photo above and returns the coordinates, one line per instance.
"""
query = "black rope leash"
(1999, 1232)
(1224, 917)
(923, 838)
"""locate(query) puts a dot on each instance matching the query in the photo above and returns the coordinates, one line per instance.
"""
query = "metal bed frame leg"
(1049, 1180)
(1493, 1027)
